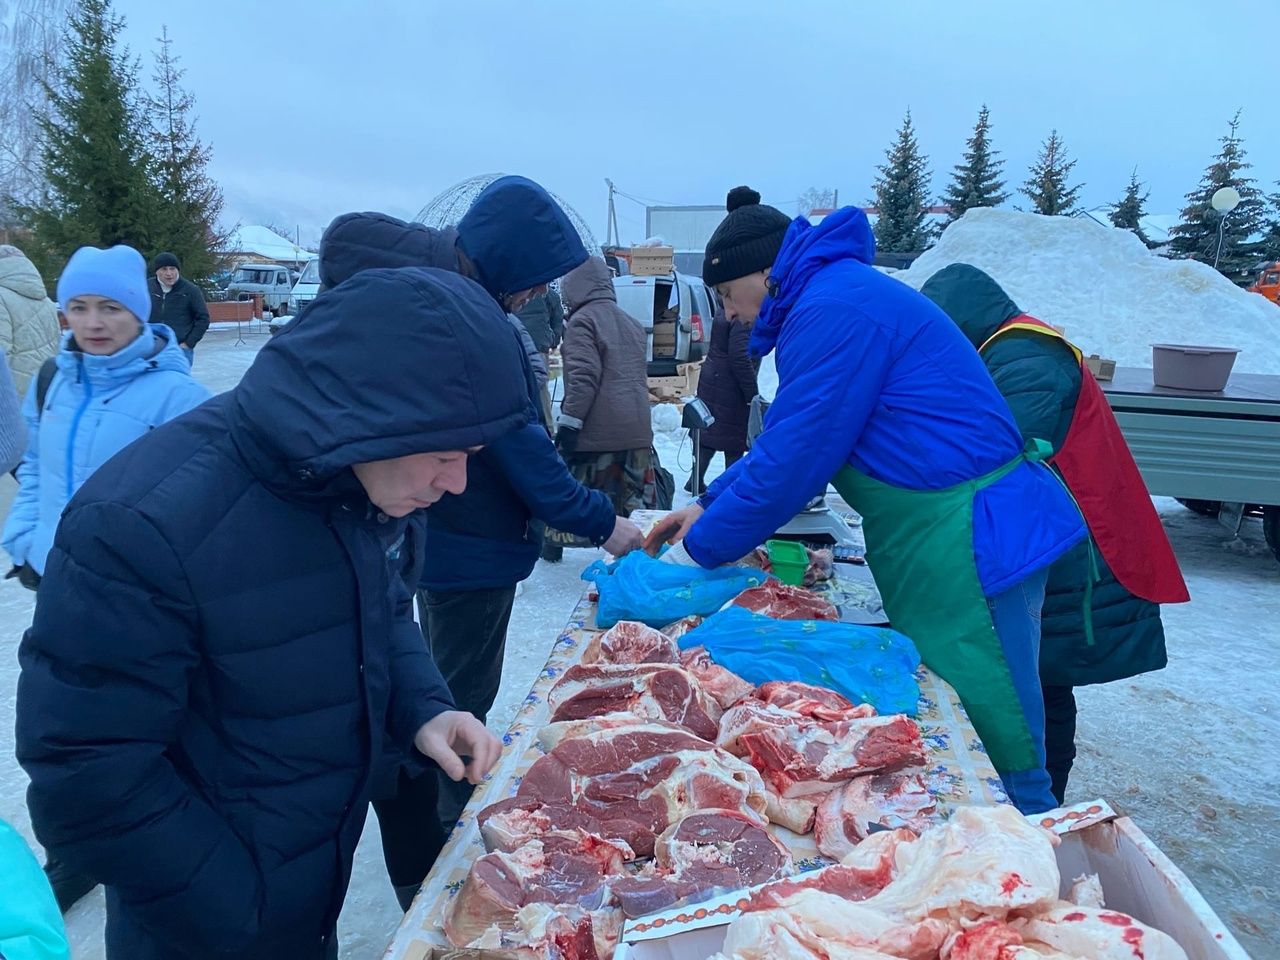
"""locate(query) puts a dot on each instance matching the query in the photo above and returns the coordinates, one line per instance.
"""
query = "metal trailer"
(1217, 453)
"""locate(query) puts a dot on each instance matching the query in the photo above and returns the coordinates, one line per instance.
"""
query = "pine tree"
(977, 181)
(1271, 237)
(1196, 235)
(1047, 187)
(190, 200)
(902, 192)
(1128, 213)
(94, 160)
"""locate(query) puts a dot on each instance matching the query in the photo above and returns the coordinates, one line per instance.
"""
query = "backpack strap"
(43, 379)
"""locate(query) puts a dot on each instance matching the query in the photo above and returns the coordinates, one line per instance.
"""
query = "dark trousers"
(1059, 736)
(704, 461)
(466, 632)
(412, 836)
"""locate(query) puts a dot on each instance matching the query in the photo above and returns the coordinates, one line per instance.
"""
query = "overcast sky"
(316, 107)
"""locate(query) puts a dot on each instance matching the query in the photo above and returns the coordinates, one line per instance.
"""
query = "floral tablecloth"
(959, 774)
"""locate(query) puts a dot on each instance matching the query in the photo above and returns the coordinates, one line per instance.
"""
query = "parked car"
(275, 283)
(307, 287)
(675, 311)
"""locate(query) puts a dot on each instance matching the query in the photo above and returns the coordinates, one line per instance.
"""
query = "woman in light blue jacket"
(30, 926)
(117, 377)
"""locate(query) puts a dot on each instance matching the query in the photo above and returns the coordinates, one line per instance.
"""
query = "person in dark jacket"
(605, 430)
(486, 540)
(543, 317)
(221, 644)
(178, 303)
(1097, 625)
(727, 385)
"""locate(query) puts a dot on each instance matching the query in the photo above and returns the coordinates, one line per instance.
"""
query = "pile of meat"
(661, 773)
(982, 886)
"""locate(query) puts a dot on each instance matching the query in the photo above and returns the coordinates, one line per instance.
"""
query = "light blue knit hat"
(119, 273)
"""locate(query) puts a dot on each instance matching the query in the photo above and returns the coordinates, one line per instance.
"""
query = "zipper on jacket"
(75, 425)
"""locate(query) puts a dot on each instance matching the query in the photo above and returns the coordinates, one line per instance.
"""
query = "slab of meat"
(802, 761)
(863, 874)
(1097, 934)
(845, 815)
(705, 854)
(678, 629)
(816, 703)
(562, 867)
(637, 781)
(723, 686)
(797, 814)
(628, 641)
(552, 734)
(652, 690)
(556, 932)
(777, 600)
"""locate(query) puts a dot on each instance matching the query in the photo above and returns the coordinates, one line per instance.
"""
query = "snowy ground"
(1190, 752)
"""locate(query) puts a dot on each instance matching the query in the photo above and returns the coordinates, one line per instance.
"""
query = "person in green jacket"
(30, 922)
(1094, 627)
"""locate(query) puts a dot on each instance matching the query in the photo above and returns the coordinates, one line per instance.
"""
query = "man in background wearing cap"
(513, 241)
(178, 303)
(880, 394)
(221, 648)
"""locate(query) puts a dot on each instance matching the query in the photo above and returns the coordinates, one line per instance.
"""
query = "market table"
(959, 773)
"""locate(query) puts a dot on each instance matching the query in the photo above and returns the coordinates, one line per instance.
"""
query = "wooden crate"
(679, 387)
(652, 261)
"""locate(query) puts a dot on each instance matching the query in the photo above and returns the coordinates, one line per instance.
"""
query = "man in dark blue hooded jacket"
(513, 241)
(221, 644)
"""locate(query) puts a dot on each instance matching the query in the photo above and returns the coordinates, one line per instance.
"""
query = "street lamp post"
(1224, 200)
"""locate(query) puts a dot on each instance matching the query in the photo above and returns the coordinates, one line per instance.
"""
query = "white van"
(274, 282)
(307, 287)
(675, 311)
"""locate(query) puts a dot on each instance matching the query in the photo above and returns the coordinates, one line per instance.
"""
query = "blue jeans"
(1016, 617)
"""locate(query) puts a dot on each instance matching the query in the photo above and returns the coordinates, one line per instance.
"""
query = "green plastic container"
(789, 560)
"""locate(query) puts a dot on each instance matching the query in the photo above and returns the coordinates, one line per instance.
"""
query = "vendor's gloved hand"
(671, 528)
(25, 575)
(567, 441)
(626, 537)
(452, 735)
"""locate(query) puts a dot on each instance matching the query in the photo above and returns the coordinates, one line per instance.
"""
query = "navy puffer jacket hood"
(361, 241)
(328, 392)
(518, 237)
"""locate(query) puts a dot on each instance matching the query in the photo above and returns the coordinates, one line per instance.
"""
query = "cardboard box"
(1137, 879)
(680, 387)
(652, 261)
(1101, 368)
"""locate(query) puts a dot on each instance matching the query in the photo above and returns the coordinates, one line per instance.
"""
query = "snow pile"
(1110, 294)
(666, 419)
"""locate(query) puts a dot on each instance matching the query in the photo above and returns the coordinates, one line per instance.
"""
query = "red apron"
(1098, 469)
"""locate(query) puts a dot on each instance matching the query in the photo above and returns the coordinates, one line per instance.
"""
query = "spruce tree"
(977, 181)
(94, 161)
(1271, 236)
(1128, 213)
(190, 201)
(1047, 186)
(902, 192)
(1196, 235)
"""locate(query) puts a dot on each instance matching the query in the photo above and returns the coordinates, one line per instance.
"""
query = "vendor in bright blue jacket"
(879, 393)
(483, 542)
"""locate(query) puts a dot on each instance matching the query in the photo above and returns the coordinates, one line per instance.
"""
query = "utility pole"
(611, 237)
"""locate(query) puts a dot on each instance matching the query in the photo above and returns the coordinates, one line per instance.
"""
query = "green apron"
(920, 549)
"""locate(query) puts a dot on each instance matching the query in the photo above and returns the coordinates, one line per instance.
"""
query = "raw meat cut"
(569, 867)
(1097, 934)
(796, 813)
(556, 932)
(801, 761)
(845, 816)
(863, 874)
(628, 641)
(552, 734)
(704, 854)
(817, 703)
(678, 629)
(723, 686)
(638, 780)
(984, 861)
(824, 924)
(509, 824)
(989, 939)
(1086, 891)
(752, 716)
(777, 600)
(652, 690)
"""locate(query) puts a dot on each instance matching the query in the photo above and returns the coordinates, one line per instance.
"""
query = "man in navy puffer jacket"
(220, 643)
(481, 543)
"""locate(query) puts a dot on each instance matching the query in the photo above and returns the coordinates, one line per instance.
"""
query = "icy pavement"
(1190, 752)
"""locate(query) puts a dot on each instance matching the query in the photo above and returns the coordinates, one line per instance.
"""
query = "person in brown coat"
(726, 386)
(604, 431)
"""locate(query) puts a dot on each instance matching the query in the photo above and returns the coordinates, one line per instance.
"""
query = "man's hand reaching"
(454, 735)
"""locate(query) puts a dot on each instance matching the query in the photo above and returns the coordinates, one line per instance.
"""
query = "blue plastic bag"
(640, 587)
(872, 665)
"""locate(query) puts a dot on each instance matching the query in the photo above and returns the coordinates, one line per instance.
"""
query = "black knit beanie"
(747, 240)
(165, 259)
